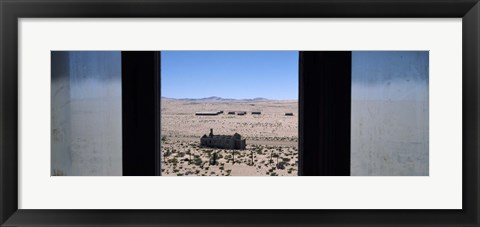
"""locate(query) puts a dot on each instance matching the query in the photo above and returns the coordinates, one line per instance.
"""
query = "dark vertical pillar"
(325, 105)
(141, 113)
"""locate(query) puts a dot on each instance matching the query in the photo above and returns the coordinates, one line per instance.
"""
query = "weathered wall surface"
(61, 161)
(88, 113)
(390, 113)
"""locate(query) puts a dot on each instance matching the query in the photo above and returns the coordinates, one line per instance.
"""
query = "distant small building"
(288, 114)
(223, 141)
(258, 112)
(206, 113)
(231, 112)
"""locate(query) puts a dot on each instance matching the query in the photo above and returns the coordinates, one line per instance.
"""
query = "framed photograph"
(239, 113)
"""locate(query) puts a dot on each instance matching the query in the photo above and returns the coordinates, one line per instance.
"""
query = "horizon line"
(225, 98)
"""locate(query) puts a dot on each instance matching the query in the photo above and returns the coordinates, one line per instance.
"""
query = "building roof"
(207, 113)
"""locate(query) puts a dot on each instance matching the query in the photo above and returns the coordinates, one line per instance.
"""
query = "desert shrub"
(286, 159)
(273, 174)
(290, 170)
(179, 174)
(197, 161)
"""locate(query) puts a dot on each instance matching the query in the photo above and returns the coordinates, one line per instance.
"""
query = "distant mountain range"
(218, 99)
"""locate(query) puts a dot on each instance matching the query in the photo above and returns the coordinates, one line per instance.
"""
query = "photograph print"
(232, 113)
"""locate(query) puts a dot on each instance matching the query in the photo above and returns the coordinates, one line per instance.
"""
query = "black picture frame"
(12, 10)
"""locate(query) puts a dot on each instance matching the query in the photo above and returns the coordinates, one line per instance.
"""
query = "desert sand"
(271, 137)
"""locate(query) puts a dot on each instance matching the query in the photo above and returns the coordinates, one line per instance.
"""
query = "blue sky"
(230, 74)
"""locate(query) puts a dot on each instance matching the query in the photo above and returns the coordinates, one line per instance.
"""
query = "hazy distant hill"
(218, 99)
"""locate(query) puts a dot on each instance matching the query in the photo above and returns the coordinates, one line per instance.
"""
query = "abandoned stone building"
(209, 113)
(223, 141)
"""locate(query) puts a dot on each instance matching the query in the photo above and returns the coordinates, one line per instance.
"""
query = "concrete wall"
(390, 113)
(86, 112)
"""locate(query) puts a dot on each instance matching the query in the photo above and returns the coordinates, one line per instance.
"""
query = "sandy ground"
(271, 138)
